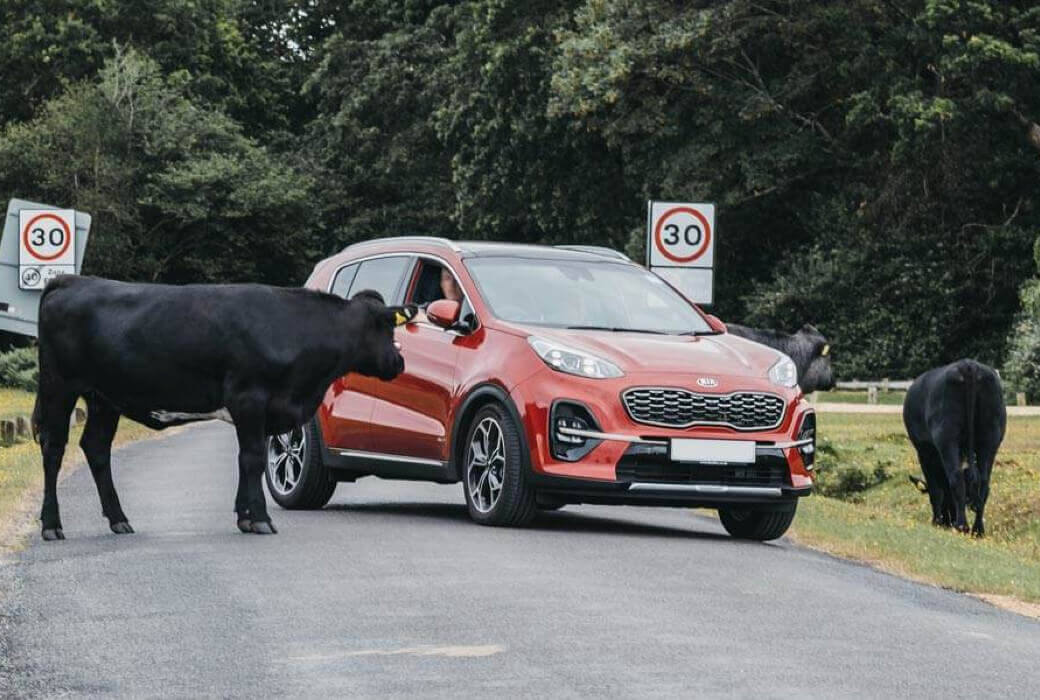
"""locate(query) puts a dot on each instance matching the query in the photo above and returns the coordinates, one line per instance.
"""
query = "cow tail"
(35, 420)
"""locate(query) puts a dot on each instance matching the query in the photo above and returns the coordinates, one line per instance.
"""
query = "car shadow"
(568, 521)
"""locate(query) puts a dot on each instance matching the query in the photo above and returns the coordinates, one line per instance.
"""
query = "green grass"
(21, 471)
(889, 524)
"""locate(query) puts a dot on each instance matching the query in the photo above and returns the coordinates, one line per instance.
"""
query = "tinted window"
(384, 275)
(341, 285)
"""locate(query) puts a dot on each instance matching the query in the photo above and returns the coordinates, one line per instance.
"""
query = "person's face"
(449, 287)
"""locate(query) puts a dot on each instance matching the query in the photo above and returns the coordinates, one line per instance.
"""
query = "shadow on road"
(570, 521)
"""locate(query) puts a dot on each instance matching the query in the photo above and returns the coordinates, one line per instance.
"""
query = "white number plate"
(725, 451)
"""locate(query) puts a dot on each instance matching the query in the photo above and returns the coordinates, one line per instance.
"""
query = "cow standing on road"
(807, 348)
(956, 419)
(162, 355)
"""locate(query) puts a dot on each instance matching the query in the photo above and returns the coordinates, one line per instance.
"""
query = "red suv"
(541, 376)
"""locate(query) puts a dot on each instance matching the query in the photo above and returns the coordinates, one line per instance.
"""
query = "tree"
(177, 192)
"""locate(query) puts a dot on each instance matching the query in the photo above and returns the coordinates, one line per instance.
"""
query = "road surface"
(392, 592)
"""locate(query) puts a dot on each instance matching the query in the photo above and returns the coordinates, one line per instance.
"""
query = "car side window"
(341, 285)
(383, 275)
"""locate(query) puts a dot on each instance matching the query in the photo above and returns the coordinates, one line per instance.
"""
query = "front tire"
(761, 525)
(495, 470)
(296, 476)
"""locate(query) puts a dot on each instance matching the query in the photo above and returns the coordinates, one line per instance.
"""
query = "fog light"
(570, 415)
(808, 432)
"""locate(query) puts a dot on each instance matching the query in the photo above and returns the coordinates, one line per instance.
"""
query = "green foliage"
(1022, 370)
(846, 471)
(177, 191)
(19, 369)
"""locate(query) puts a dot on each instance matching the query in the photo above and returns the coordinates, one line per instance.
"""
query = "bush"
(1022, 369)
(19, 369)
(845, 473)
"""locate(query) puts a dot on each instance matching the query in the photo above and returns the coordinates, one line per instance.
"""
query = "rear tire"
(296, 476)
(761, 525)
(495, 471)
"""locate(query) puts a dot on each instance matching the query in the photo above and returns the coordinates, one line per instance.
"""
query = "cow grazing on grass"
(164, 355)
(807, 348)
(955, 418)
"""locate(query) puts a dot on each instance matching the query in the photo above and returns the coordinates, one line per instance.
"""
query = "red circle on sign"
(28, 227)
(697, 253)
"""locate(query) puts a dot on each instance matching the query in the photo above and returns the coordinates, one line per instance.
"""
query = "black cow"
(809, 350)
(164, 355)
(955, 418)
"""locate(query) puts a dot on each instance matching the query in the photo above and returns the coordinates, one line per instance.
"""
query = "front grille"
(647, 464)
(679, 408)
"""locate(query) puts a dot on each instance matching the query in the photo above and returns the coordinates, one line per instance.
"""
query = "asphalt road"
(391, 591)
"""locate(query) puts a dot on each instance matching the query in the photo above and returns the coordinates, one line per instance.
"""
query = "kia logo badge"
(708, 381)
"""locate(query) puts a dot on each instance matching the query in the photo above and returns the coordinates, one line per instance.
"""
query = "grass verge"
(873, 514)
(21, 471)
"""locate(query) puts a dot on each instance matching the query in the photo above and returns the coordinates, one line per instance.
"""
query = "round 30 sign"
(46, 245)
(682, 235)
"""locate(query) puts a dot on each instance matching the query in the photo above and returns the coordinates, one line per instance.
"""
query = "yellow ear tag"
(826, 349)
(400, 318)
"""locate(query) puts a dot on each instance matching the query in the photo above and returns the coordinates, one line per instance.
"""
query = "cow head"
(377, 354)
(818, 375)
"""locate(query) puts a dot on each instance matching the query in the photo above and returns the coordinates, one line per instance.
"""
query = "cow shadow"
(568, 521)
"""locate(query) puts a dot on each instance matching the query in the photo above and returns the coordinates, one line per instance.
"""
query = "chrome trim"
(709, 489)
(596, 435)
(757, 428)
(618, 437)
(390, 457)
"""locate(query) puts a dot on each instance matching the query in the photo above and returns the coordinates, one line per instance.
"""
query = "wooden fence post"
(1020, 398)
(872, 395)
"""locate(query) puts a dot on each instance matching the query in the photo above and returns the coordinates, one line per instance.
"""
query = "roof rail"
(418, 239)
(597, 250)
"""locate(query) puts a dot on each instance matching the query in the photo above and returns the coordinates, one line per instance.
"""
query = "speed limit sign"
(681, 246)
(46, 246)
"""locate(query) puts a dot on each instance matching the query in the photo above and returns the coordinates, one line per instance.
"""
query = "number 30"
(672, 234)
(55, 237)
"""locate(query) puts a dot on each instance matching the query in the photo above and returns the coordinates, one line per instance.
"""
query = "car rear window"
(384, 275)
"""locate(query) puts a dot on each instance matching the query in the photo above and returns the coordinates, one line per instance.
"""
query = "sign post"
(680, 247)
(39, 243)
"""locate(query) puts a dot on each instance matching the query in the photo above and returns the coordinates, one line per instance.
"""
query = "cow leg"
(951, 461)
(931, 467)
(96, 442)
(54, 404)
(984, 463)
(250, 503)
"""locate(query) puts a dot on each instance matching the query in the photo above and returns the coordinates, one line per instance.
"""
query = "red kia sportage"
(542, 376)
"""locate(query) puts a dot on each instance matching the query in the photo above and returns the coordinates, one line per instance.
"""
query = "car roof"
(497, 249)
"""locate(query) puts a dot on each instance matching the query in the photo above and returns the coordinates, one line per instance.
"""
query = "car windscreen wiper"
(700, 333)
(615, 329)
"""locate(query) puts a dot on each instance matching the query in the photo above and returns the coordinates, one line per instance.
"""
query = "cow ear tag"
(826, 349)
(400, 319)
(405, 314)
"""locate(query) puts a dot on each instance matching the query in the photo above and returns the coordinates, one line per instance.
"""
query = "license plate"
(718, 451)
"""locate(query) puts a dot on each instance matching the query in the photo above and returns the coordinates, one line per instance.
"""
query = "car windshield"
(583, 295)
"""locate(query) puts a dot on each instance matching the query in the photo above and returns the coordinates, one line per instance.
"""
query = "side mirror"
(443, 313)
(716, 323)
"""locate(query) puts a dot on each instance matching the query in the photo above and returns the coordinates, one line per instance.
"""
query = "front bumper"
(629, 462)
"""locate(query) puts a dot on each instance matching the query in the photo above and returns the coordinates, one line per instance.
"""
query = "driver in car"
(449, 290)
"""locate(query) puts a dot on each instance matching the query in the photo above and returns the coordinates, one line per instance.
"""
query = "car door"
(411, 419)
(346, 411)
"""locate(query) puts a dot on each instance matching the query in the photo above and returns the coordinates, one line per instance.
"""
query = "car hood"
(722, 355)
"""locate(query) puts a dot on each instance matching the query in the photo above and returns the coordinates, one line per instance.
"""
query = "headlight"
(572, 361)
(784, 372)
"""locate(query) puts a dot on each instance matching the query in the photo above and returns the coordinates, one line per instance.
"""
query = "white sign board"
(680, 246)
(46, 246)
(21, 250)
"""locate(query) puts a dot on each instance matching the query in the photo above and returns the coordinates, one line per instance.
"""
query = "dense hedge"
(19, 369)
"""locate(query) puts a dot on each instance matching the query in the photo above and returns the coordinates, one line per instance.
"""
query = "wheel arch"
(477, 398)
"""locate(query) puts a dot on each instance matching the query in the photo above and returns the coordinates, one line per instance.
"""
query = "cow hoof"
(122, 528)
(261, 527)
(245, 525)
(51, 534)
